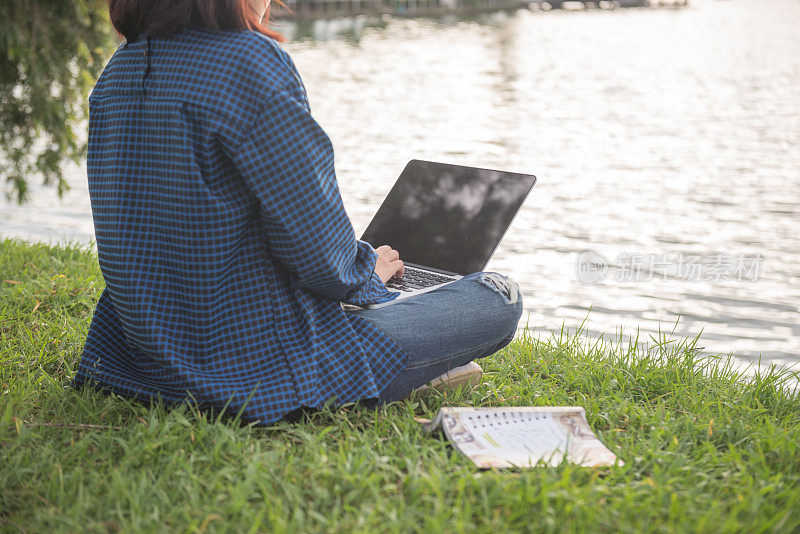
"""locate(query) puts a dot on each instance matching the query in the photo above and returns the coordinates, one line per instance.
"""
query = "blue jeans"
(470, 318)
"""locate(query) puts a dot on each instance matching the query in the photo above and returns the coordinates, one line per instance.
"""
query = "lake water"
(666, 143)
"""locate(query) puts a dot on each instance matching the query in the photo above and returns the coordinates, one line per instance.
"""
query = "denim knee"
(503, 285)
(510, 305)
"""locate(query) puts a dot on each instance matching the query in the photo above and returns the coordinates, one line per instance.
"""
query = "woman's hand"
(389, 263)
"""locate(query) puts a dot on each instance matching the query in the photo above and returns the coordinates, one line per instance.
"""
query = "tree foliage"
(51, 52)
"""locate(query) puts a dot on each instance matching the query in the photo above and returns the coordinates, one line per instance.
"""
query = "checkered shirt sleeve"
(287, 161)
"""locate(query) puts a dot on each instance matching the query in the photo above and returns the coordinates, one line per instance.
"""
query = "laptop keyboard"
(417, 279)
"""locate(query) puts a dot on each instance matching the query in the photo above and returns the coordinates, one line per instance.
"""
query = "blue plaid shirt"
(222, 236)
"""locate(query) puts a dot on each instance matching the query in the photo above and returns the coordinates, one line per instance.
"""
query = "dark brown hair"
(161, 18)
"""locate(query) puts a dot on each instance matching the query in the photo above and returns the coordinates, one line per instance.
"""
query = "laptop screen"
(446, 216)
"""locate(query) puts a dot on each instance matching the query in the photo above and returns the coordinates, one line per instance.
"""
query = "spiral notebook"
(522, 436)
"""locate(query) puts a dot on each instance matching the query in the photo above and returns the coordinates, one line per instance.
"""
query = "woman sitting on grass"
(224, 243)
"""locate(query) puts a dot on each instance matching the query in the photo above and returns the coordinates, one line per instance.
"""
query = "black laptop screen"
(447, 216)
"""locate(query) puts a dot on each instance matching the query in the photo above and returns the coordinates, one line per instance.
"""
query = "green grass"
(705, 450)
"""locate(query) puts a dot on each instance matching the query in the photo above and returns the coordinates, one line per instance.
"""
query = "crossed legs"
(448, 327)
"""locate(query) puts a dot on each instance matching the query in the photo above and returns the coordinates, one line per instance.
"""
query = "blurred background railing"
(312, 9)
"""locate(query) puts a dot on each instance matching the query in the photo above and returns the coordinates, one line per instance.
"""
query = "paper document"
(522, 436)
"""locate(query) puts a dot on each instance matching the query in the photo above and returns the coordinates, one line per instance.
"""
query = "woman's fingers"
(388, 263)
(387, 253)
(400, 266)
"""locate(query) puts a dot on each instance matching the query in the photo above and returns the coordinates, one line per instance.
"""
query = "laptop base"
(406, 294)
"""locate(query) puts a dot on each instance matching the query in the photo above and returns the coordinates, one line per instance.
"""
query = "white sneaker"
(467, 377)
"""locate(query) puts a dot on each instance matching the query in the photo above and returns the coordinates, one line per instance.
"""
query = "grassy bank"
(703, 450)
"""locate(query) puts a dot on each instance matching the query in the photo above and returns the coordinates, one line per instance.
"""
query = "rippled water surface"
(666, 142)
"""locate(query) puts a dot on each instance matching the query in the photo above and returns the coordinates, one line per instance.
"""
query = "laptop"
(445, 221)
